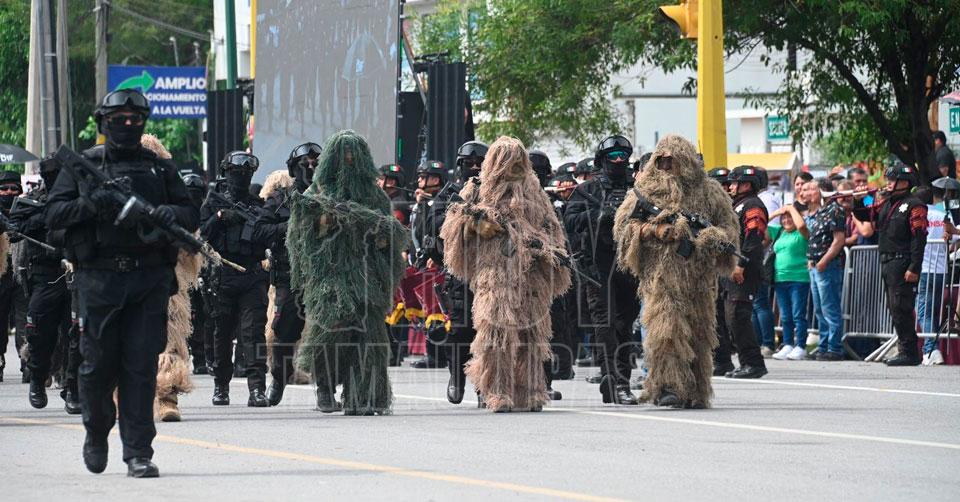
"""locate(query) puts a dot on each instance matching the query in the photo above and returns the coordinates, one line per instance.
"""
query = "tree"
(14, 38)
(544, 66)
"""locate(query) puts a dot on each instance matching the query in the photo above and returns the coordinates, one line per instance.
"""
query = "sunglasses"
(243, 160)
(311, 149)
(119, 120)
(617, 156)
(9, 188)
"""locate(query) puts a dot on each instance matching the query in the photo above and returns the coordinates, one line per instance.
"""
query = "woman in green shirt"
(791, 280)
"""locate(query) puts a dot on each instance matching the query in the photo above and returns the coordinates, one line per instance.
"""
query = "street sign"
(778, 128)
(175, 92)
(955, 119)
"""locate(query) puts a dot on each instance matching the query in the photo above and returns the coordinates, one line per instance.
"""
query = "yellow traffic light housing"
(684, 17)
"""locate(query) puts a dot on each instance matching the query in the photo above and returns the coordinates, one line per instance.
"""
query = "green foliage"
(543, 67)
(856, 141)
(14, 41)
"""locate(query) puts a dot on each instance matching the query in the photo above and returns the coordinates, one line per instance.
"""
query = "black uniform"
(901, 222)
(124, 280)
(288, 317)
(614, 306)
(48, 311)
(456, 293)
(563, 321)
(738, 298)
(241, 297)
(12, 297)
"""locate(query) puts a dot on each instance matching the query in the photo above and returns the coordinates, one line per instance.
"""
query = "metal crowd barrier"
(864, 302)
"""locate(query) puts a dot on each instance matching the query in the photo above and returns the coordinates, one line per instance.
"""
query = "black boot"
(221, 395)
(38, 394)
(722, 368)
(903, 359)
(275, 392)
(326, 403)
(668, 398)
(747, 371)
(257, 399)
(480, 402)
(554, 395)
(95, 454)
(142, 468)
(199, 368)
(3, 365)
(71, 403)
(25, 375)
(595, 379)
(455, 388)
(616, 393)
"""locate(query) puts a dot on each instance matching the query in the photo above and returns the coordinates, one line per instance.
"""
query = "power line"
(162, 24)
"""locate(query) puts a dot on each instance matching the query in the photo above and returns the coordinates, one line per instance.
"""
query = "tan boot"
(168, 411)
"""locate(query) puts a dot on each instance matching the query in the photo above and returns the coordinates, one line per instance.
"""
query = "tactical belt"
(885, 257)
(126, 263)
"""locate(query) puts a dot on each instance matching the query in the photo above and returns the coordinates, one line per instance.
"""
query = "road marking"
(729, 425)
(348, 464)
(840, 387)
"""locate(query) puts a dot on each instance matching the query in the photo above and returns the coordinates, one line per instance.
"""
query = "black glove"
(104, 202)
(165, 216)
(229, 216)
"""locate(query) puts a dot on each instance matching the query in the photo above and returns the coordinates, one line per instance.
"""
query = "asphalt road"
(808, 431)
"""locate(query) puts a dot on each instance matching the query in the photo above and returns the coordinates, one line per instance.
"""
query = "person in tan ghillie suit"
(504, 239)
(678, 293)
(173, 367)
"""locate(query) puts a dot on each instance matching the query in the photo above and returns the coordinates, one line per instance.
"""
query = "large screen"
(323, 66)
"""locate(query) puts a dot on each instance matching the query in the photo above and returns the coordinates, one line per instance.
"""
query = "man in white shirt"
(930, 287)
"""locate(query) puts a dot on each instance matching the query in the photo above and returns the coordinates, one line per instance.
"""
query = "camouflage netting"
(514, 273)
(679, 294)
(345, 257)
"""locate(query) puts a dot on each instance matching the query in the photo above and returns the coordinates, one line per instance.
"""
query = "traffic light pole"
(711, 96)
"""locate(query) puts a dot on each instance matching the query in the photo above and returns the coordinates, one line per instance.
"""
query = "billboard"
(323, 66)
(175, 92)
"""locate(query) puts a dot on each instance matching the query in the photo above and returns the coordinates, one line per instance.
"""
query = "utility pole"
(49, 99)
(63, 71)
(176, 54)
(103, 18)
(231, 43)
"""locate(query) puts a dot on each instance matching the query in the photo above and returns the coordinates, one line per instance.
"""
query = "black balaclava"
(238, 182)
(123, 138)
(616, 171)
(6, 201)
(196, 197)
(49, 177)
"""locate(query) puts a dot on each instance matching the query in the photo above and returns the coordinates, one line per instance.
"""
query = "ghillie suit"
(679, 294)
(277, 180)
(173, 365)
(506, 242)
(345, 250)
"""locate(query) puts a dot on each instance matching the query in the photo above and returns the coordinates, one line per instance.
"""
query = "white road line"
(839, 387)
(728, 425)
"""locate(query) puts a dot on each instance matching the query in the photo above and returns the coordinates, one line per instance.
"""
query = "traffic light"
(683, 16)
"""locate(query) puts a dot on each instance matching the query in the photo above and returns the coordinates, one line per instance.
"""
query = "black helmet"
(239, 159)
(642, 161)
(10, 177)
(130, 99)
(392, 171)
(720, 174)
(309, 148)
(756, 176)
(194, 182)
(902, 171)
(433, 168)
(566, 169)
(472, 149)
(541, 165)
(583, 167)
(615, 143)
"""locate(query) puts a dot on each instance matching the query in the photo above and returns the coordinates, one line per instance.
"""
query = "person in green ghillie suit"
(345, 258)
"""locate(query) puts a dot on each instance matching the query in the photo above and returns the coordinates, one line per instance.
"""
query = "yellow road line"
(359, 466)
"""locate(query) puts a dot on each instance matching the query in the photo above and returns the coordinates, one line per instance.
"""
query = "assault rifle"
(645, 210)
(133, 204)
(249, 214)
(12, 231)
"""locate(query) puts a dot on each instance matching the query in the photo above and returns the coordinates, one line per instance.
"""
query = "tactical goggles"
(243, 160)
(120, 99)
(310, 149)
(617, 156)
(120, 119)
(471, 162)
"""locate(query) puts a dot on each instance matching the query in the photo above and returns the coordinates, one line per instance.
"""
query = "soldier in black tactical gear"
(288, 317)
(241, 297)
(12, 297)
(457, 297)
(722, 363)
(740, 289)
(585, 170)
(901, 221)
(391, 181)
(541, 166)
(124, 277)
(200, 347)
(432, 177)
(48, 312)
(614, 306)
